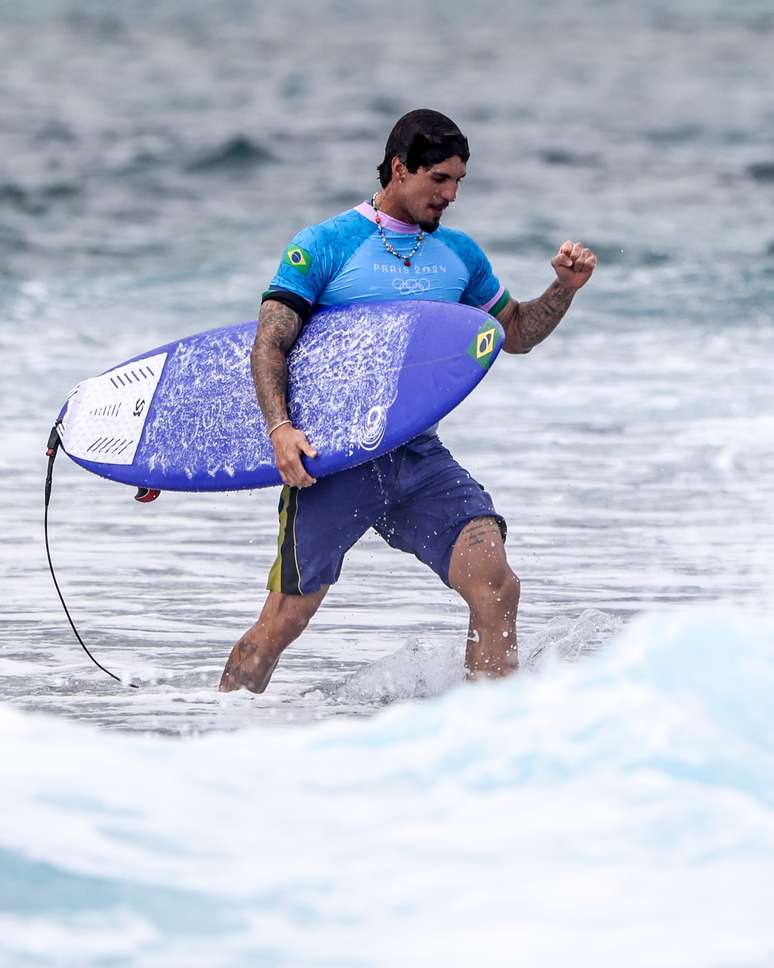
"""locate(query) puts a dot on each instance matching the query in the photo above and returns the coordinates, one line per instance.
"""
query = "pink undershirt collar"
(388, 222)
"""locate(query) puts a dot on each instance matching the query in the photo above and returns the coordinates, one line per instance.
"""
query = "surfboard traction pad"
(106, 415)
(343, 379)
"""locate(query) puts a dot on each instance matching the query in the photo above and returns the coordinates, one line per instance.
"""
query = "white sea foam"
(614, 811)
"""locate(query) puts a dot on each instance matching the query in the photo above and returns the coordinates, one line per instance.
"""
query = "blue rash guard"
(344, 260)
(416, 497)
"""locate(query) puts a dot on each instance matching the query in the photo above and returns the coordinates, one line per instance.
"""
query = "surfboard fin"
(146, 494)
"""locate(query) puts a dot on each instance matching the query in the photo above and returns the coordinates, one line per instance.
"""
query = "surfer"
(416, 497)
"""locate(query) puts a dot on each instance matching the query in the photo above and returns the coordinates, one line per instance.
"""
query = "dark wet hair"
(421, 139)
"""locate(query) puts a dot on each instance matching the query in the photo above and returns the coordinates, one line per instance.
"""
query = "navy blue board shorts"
(417, 498)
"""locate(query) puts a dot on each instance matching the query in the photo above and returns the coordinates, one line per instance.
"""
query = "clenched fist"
(573, 264)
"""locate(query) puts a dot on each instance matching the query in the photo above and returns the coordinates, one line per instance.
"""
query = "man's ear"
(398, 169)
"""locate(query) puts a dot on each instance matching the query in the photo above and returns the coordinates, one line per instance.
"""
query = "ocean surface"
(611, 805)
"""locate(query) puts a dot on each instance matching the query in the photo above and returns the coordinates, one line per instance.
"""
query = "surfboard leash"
(51, 452)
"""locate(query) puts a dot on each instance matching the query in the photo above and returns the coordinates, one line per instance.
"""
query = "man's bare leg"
(255, 656)
(479, 571)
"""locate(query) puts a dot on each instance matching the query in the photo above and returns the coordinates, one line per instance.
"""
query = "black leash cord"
(53, 447)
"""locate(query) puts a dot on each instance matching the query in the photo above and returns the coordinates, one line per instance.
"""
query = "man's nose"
(449, 192)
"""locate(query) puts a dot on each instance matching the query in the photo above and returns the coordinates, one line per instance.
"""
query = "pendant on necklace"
(406, 260)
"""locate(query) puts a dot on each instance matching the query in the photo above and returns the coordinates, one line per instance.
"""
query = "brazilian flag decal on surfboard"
(484, 344)
(298, 258)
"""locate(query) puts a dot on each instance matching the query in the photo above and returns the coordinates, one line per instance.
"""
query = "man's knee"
(506, 588)
(496, 594)
(294, 614)
(289, 615)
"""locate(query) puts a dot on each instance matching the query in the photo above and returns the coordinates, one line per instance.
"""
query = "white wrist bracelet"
(276, 426)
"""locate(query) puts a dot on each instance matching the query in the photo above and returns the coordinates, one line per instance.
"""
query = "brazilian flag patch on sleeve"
(298, 258)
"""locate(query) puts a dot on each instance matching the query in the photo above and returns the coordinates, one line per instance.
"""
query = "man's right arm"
(277, 330)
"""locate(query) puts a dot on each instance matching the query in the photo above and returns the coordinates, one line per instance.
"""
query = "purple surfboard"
(363, 379)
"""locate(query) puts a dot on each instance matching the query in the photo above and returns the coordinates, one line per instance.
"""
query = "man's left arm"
(527, 324)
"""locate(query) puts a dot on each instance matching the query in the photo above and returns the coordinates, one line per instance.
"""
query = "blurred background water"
(156, 158)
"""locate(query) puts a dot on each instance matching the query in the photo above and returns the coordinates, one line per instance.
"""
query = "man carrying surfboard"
(417, 496)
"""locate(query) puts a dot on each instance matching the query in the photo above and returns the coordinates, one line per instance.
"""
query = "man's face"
(426, 193)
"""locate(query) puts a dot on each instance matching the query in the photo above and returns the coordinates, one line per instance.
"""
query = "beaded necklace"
(405, 259)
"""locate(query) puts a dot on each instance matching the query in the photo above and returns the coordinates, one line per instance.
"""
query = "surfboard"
(363, 379)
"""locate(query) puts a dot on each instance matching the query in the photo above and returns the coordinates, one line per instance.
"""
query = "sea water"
(610, 805)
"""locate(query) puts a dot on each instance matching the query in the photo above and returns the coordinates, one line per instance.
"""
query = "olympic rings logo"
(411, 286)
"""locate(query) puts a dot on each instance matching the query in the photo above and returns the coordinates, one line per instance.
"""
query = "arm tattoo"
(528, 323)
(277, 330)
